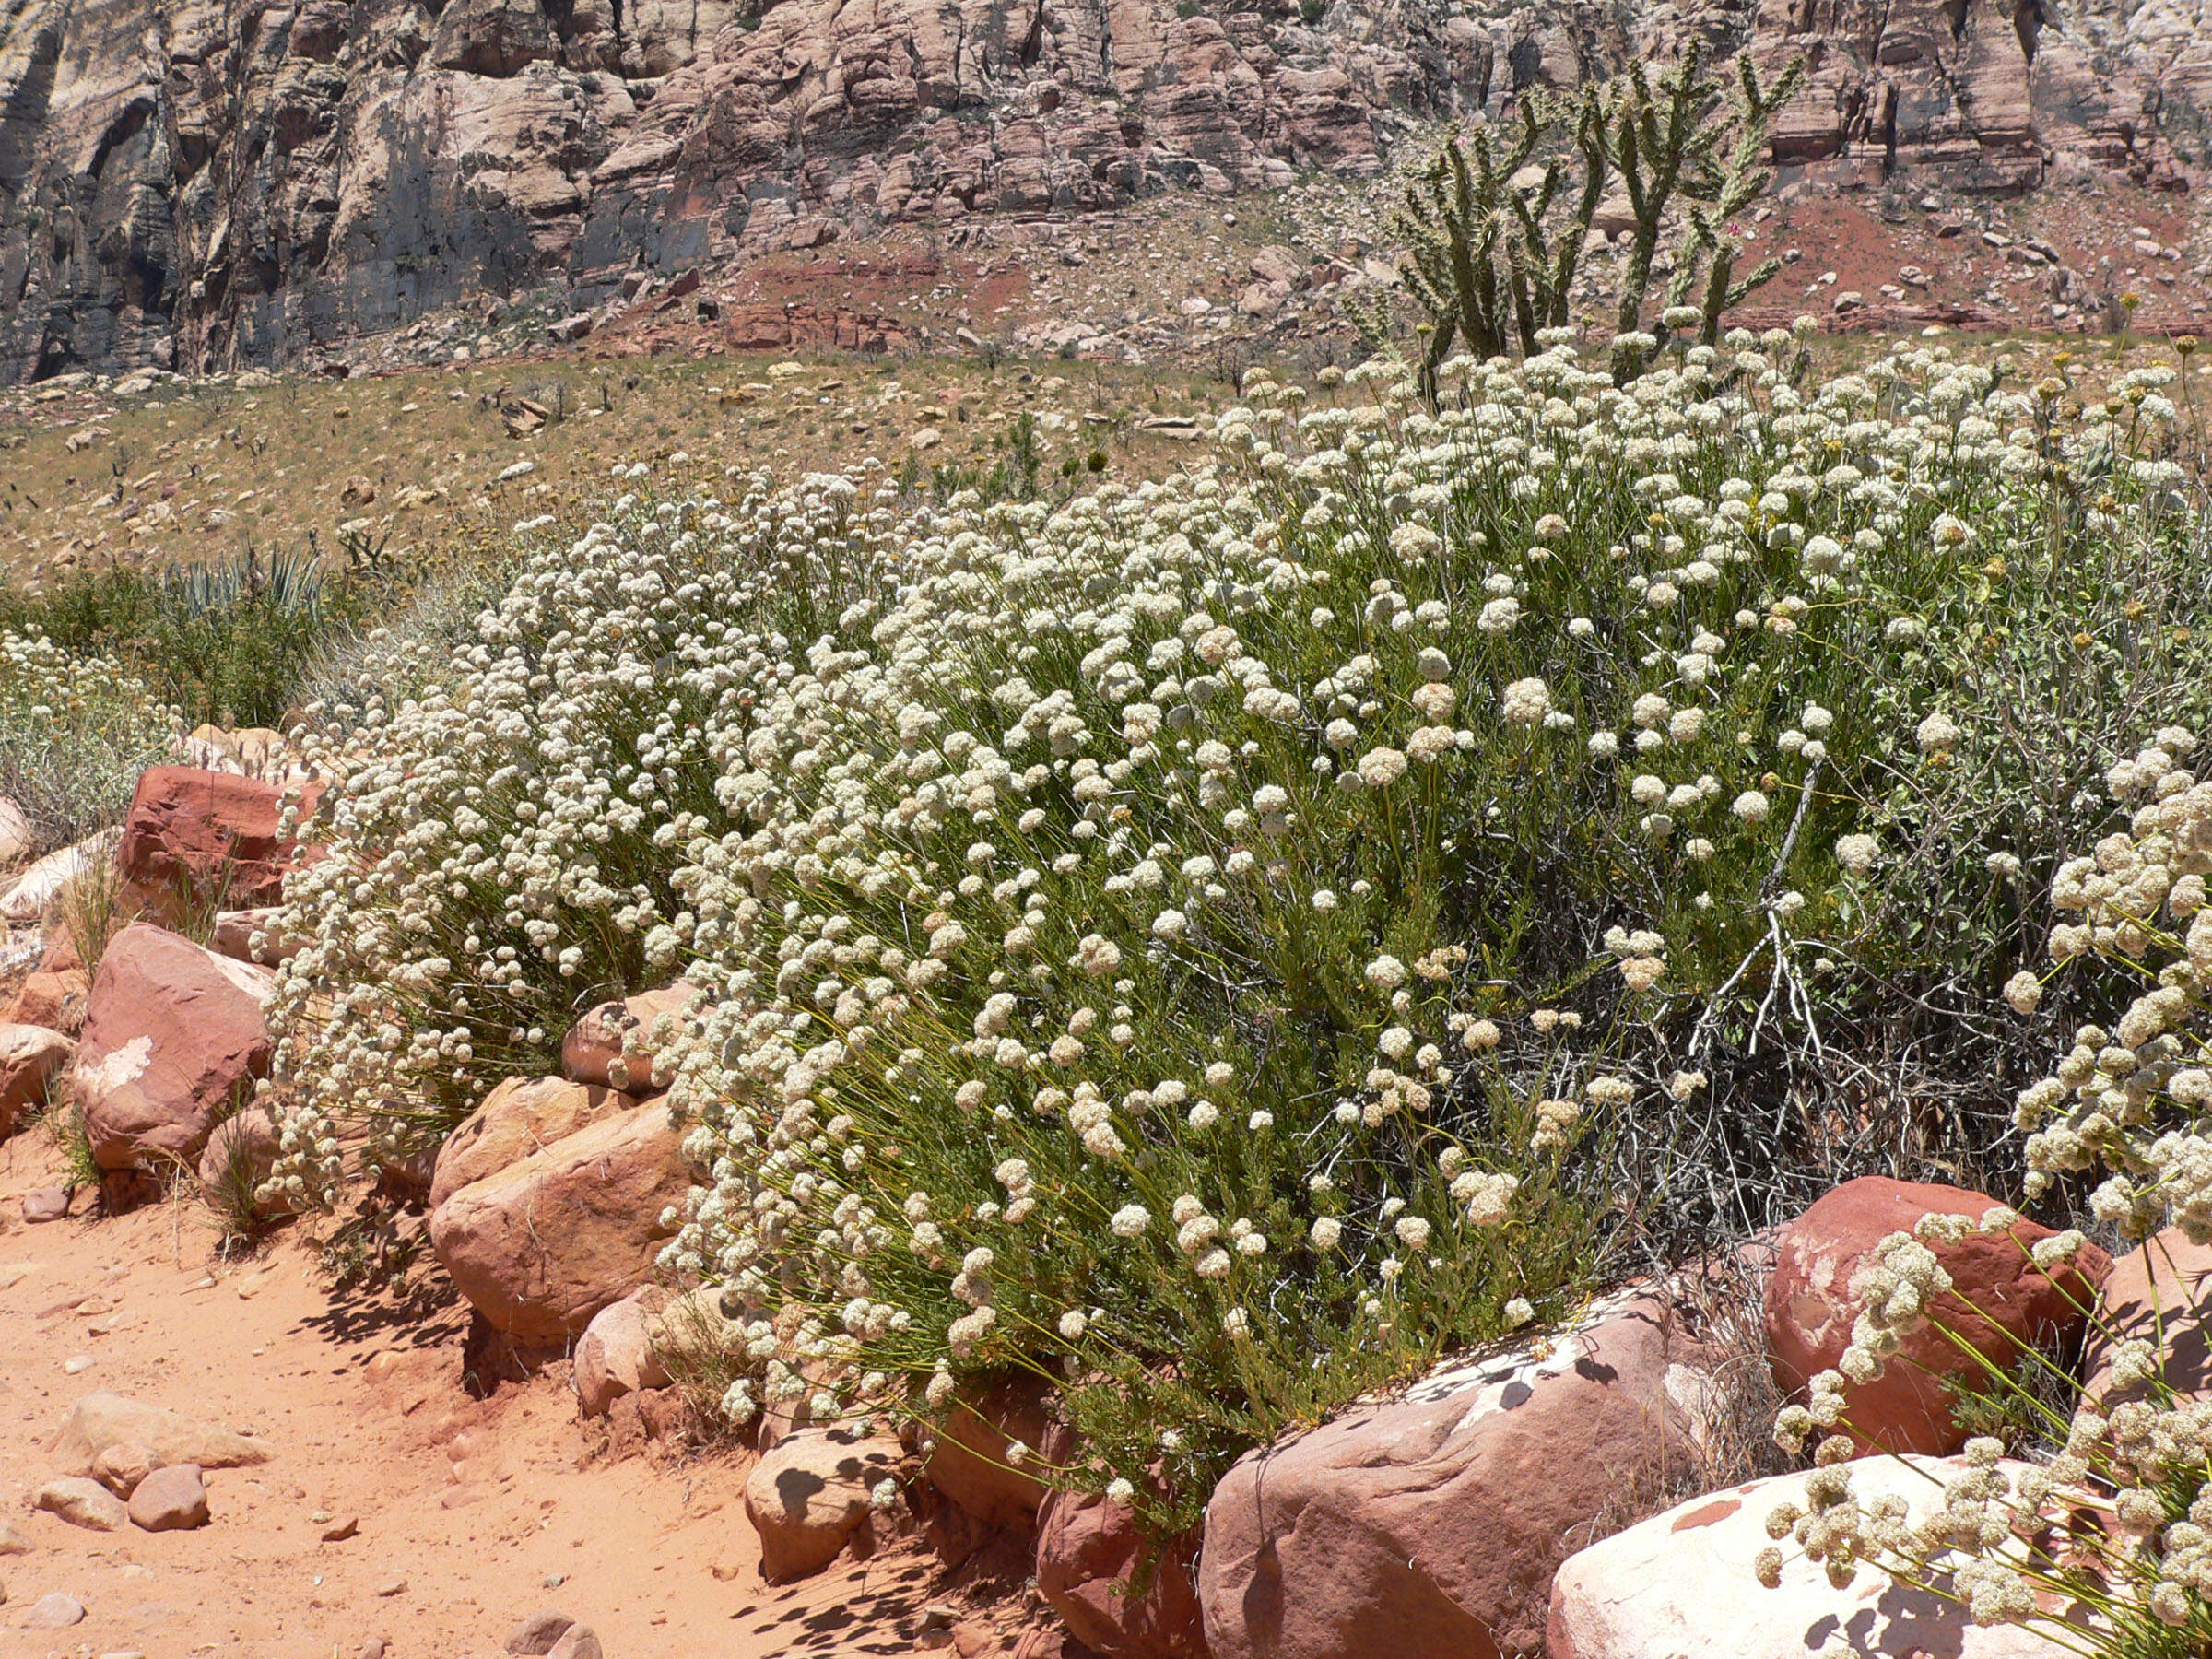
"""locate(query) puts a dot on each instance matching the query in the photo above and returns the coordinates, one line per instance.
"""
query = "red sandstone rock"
(542, 1245)
(42, 1205)
(1091, 1557)
(53, 1000)
(809, 1496)
(1678, 1586)
(520, 1116)
(29, 1056)
(1428, 1526)
(968, 1462)
(613, 1044)
(173, 1038)
(192, 833)
(245, 1147)
(616, 1354)
(2156, 1292)
(171, 1499)
(1998, 1301)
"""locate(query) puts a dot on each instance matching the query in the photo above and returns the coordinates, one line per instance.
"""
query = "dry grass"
(189, 474)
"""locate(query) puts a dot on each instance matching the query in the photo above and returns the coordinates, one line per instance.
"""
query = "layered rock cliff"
(201, 183)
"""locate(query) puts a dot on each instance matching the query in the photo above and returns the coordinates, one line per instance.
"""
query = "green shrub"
(509, 808)
(1223, 944)
(225, 642)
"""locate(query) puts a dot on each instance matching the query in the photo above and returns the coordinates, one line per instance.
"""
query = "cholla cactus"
(1480, 256)
(1491, 260)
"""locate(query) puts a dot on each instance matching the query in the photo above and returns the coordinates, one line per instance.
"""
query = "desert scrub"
(75, 731)
(1220, 944)
(1177, 932)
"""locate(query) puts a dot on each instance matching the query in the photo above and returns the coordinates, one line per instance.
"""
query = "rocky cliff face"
(200, 182)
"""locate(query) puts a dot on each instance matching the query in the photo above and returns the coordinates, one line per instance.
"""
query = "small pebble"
(75, 1363)
(393, 1587)
(554, 1581)
(339, 1530)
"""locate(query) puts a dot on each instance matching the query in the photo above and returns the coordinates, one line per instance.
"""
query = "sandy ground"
(471, 1513)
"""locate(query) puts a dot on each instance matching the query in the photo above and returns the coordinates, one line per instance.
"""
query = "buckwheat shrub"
(1095, 941)
(2116, 1524)
(75, 731)
(1221, 944)
(506, 826)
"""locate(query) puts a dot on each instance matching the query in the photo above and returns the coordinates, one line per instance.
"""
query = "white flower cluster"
(2126, 1496)
(2135, 1099)
(75, 731)
(506, 823)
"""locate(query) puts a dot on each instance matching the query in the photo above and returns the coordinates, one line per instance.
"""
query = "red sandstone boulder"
(120, 1467)
(173, 1038)
(1810, 1310)
(53, 1000)
(236, 930)
(101, 1421)
(809, 1496)
(614, 1044)
(1091, 1557)
(16, 837)
(1679, 1586)
(1427, 1526)
(520, 1116)
(542, 1245)
(30, 1056)
(967, 1459)
(32, 893)
(196, 831)
(171, 1499)
(2157, 1291)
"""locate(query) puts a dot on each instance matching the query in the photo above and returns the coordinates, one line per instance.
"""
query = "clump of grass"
(63, 1124)
(240, 1220)
(702, 1354)
(194, 908)
(93, 909)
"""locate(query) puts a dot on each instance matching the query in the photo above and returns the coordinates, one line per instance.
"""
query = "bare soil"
(471, 1513)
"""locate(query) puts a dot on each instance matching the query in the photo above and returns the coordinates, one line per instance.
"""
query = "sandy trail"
(471, 1513)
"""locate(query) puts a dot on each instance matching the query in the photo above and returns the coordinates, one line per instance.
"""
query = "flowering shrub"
(2108, 1545)
(506, 816)
(1216, 945)
(75, 731)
